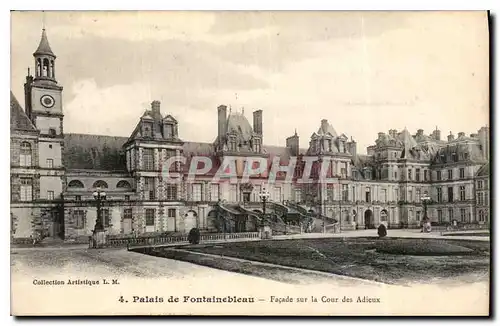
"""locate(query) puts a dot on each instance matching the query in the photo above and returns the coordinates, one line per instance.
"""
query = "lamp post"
(425, 199)
(264, 197)
(98, 233)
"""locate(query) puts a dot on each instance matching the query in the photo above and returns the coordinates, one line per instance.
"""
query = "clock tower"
(43, 102)
(43, 94)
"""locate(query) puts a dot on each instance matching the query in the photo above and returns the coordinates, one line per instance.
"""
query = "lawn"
(393, 261)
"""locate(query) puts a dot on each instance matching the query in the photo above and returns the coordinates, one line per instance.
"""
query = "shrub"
(382, 230)
(194, 236)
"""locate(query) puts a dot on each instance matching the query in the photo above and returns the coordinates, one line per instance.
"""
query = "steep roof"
(18, 119)
(326, 128)
(82, 151)
(44, 46)
(484, 171)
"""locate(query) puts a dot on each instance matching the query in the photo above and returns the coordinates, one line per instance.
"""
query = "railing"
(162, 240)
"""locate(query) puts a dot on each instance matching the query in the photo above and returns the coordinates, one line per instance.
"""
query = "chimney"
(221, 122)
(324, 124)
(155, 107)
(292, 143)
(351, 147)
(436, 134)
(257, 122)
(451, 137)
(420, 132)
(473, 135)
(27, 95)
(461, 134)
(392, 133)
(484, 141)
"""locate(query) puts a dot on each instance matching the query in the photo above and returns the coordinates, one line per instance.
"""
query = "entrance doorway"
(369, 224)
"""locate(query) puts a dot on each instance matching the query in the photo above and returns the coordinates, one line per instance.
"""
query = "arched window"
(75, 184)
(52, 74)
(100, 184)
(45, 68)
(38, 67)
(123, 184)
(25, 154)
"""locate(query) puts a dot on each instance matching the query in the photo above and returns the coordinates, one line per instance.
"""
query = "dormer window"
(169, 130)
(148, 129)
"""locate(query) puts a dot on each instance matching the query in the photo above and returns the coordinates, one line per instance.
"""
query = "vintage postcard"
(250, 163)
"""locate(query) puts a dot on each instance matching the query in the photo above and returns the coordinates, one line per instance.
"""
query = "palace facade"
(54, 174)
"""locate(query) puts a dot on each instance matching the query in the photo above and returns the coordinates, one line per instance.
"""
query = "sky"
(366, 72)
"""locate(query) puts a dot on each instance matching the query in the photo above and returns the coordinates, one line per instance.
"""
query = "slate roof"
(19, 121)
(82, 151)
(44, 46)
(484, 171)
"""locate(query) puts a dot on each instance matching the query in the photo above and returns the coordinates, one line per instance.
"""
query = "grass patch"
(357, 257)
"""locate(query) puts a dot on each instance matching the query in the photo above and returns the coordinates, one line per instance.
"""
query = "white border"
(191, 5)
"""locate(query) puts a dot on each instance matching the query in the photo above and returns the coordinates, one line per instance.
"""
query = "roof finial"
(295, 131)
(43, 20)
(242, 110)
(230, 109)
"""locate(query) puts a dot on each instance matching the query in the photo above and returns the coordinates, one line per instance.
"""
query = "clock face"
(47, 101)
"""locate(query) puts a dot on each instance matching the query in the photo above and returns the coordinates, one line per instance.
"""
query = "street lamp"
(99, 197)
(264, 196)
(425, 199)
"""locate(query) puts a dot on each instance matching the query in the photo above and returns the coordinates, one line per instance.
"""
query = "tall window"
(298, 195)
(26, 189)
(450, 214)
(396, 194)
(148, 159)
(343, 170)
(426, 175)
(106, 218)
(417, 175)
(450, 194)
(463, 215)
(409, 174)
(25, 154)
(79, 216)
(481, 216)
(438, 175)
(440, 215)
(171, 192)
(479, 184)
(50, 195)
(395, 175)
(353, 194)
(418, 194)
(439, 195)
(329, 192)
(410, 195)
(50, 163)
(480, 198)
(214, 192)
(462, 193)
(150, 217)
(384, 195)
(462, 173)
(197, 187)
(149, 188)
(345, 193)
(368, 197)
(450, 174)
